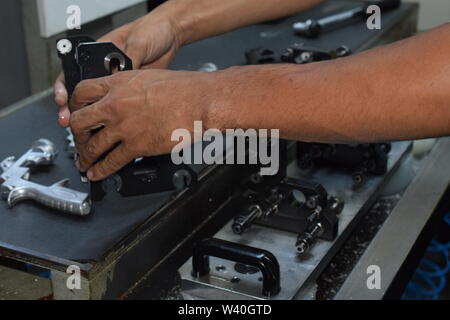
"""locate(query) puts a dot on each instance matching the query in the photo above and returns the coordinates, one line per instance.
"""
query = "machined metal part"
(363, 160)
(71, 151)
(16, 187)
(242, 222)
(261, 208)
(312, 28)
(306, 239)
(64, 46)
(297, 53)
(113, 57)
(301, 54)
(280, 209)
(323, 223)
(296, 270)
(261, 259)
(208, 67)
(88, 59)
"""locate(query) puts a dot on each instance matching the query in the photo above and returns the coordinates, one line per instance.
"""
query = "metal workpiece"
(312, 28)
(208, 67)
(296, 270)
(279, 208)
(306, 239)
(70, 144)
(301, 54)
(323, 223)
(243, 221)
(66, 48)
(16, 187)
(362, 160)
(260, 207)
(297, 53)
(234, 279)
(243, 255)
(83, 58)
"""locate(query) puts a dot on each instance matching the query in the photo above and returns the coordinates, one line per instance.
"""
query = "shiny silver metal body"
(16, 187)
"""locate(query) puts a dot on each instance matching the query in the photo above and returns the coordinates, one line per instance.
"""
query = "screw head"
(64, 46)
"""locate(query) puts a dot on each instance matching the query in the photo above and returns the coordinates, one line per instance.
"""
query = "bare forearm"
(198, 19)
(396, 92)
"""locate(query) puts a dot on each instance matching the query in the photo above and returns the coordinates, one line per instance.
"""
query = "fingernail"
(61, 117)
(90, 175)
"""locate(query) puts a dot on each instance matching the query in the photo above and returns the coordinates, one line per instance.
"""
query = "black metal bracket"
(362, 160)
(296, 53)
(314, 218)
(83, 58)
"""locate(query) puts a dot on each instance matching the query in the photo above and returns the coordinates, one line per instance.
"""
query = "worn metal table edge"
(41, 260)
(387, 250)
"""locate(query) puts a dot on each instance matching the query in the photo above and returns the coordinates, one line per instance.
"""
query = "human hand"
(150, 42)
(138, 111)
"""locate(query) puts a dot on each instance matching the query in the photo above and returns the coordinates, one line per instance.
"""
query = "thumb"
(136, 53)
(161, 63)
(64, 116)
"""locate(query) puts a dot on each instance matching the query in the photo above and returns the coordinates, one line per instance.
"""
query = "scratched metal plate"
(294, 271)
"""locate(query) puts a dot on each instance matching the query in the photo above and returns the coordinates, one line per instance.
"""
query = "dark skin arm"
(152, 41)
(400, 91)
(396, 92)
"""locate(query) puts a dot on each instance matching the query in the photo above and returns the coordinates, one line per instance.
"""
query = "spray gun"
(16, 187)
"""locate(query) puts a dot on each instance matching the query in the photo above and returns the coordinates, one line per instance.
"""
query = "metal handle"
(261, 259)
(56, 196)
(312, 28)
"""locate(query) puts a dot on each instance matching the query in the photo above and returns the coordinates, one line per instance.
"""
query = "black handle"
(67, 48)
(82, 59)
(261, 259)
(315, 194)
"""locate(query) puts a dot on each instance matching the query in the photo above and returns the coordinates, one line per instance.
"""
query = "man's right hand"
(150, 42)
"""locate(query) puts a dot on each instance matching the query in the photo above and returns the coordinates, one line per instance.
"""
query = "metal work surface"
(228, 49)
(40, 229)
(409, 219)
(133, 233)
(295, 271)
